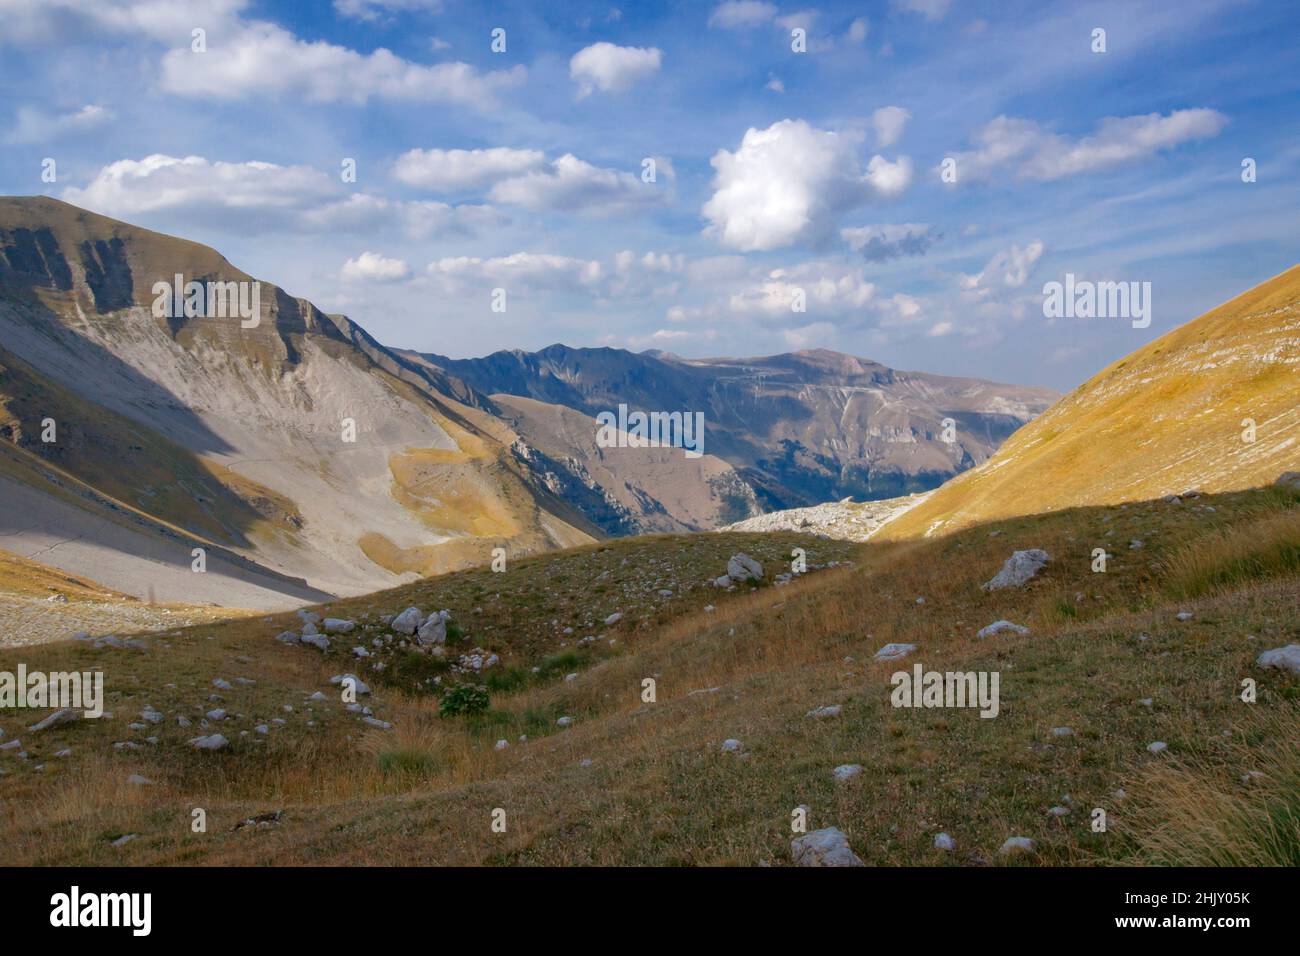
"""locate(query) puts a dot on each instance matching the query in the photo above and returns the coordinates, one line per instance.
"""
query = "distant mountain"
(1213, 405)
(800, 428)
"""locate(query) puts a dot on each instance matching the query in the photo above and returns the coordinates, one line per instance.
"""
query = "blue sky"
(777, 173)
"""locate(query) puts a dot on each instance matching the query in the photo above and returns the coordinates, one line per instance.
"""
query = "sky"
(898, 179)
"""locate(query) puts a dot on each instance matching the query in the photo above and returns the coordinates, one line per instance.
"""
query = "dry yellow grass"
(1167, 418)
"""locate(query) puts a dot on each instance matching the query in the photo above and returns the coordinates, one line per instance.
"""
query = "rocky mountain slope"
(801, 428)
(1213, 405)
(302, 456)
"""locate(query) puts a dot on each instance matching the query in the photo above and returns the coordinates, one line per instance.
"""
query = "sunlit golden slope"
(1170, 417)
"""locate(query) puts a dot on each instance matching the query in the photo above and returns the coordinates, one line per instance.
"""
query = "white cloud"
(522, 270)
(790, 183)
(160, 182)
(36, 127)
(163, 20)
(259, 59)
(1008, 269)
(613, 69)
(930, 9)
(742, 14)
(825, 288)
(887, 123)
(453, 170)
(813, 334)
(571, 184)
(775, 85)
(371, 267)
(263, 198)
(1032, 152)
(858, 30)
(803, 19)
(377, 9)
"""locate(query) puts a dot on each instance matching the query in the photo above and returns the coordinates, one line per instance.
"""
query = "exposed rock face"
(272, 443)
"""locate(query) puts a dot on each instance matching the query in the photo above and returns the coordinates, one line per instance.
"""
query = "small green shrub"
(464, 699)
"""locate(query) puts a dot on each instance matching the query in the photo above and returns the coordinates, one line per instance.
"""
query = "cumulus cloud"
(454, 170)
(262, 197)
(790, 183)
(260, 59)
(371, 267)
(34, 126)
(1031, 152)
(742, 14)
(884, 242)
(159, 182)
(824, 288)
(257, 58)
(570, 183)
(612, 69)
(887, 124)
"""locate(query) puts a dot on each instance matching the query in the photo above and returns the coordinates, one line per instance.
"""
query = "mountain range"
(293, 457)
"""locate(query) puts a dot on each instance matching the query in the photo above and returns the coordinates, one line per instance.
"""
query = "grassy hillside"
(636, 782)
(1168, 418)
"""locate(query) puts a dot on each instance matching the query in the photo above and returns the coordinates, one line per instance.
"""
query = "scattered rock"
(211, 742)
(613, 618)
(731, 746)
(136, 780)
(830, 710)
(65, 716)
(1157, 747)
(1002, 627)
(434, 629)
(894, 652)
(1185, 615)
(287, 637)
(408, 622)
(825, 847)
(317, 640)
(1286, 658)
(1016, 846)
(1288, 479)
(337, 625)
(1062, 732)
(943, 841)
(1018, 569)
(846, 771)
(741, 567)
